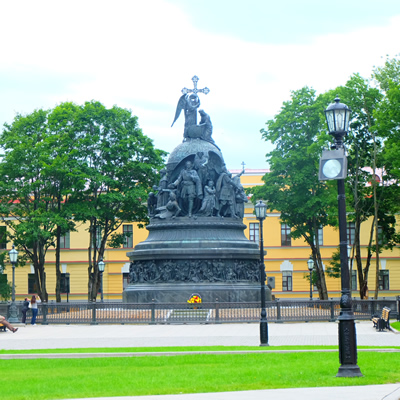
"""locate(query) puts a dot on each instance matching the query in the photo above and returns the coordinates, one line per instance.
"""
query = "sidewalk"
(290, 334)
(285, 334)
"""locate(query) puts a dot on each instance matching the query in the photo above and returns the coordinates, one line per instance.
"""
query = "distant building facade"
(285, 260)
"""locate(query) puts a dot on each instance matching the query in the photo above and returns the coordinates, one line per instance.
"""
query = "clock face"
(331, 168)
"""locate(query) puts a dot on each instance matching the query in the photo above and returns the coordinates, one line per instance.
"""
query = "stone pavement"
(313, 333)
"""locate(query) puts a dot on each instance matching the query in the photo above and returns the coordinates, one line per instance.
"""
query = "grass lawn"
(125, 376)
(395, 325)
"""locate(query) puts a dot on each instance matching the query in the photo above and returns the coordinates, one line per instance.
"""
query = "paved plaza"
(313, 333)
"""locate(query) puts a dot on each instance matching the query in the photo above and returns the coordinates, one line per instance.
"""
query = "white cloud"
(140, 54)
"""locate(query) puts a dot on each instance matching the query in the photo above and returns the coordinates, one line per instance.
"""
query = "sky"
(139, 55)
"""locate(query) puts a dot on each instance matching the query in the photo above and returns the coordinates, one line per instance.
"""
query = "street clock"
(333, 165)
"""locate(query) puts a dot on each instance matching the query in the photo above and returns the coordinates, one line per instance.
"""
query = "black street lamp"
(101, 264)
(261, 212)
(333, 165)
(13, 307)
(310, 264)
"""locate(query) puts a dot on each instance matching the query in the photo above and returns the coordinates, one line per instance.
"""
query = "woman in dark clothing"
(25, 307)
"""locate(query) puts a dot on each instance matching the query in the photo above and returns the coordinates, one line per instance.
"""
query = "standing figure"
(190, 186)
(200, 165)
(151, 204)
(226, 195)
(25, 307)
(163, 191)
(209, 203)
(34, 306)
(240, 196)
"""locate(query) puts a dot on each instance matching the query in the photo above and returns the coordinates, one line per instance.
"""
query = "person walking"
(25, 307)
(7, 324)
(34, 307)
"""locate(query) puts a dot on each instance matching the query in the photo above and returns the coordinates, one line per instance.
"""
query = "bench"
(2, 327)
(381, 323)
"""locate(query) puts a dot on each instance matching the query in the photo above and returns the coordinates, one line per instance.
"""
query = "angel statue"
(190, 102)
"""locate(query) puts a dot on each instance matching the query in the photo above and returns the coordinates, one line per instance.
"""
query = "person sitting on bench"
(7, 324)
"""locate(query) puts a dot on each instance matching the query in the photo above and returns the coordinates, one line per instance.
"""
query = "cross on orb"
(195, 79)
(243, 164)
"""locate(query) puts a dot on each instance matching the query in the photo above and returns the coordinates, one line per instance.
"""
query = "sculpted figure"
(151, 204)
(163, 191)
(189, 103)
(207, 128)
(226, 195)
(189, 186)
(200, 165)
(240, 196)
(208, 204)
(172, 208)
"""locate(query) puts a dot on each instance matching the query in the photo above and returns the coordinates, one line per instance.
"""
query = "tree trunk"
(318, 266)
(92, 256)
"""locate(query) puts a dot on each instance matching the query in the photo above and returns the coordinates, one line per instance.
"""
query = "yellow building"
(285, 260)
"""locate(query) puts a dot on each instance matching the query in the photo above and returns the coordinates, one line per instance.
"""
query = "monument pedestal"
(182, 292)
(207, 256)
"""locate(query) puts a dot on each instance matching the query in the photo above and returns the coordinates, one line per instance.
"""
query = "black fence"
(211, 313)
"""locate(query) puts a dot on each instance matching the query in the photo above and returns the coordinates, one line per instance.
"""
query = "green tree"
(363, 148)
(120, 166)
(68, 165)
(25, 206)
(292, 187)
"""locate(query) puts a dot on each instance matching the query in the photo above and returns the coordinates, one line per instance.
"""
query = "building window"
(64, 283)
(32, 287)
(384, 280)
(3, 237)
(353, 280)
(285, 235)
(254, 232)
(382, 240)
(287, 283)
(128, 236)
(98, 237)
(320, 236)
(64, 241)
(351, 233)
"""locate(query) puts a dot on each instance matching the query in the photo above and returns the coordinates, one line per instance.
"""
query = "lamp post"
(261, 212)
(13, 307)
(101, 264)
(350, 268)
(310, 264)
(333, 165)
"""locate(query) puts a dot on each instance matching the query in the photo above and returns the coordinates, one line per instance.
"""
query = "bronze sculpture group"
(200, 185)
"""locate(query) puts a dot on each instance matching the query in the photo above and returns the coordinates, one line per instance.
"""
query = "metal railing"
(212, 313)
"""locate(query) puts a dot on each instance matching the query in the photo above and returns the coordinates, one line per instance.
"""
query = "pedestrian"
(34, 306)
(25, 307)
(7, 324)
